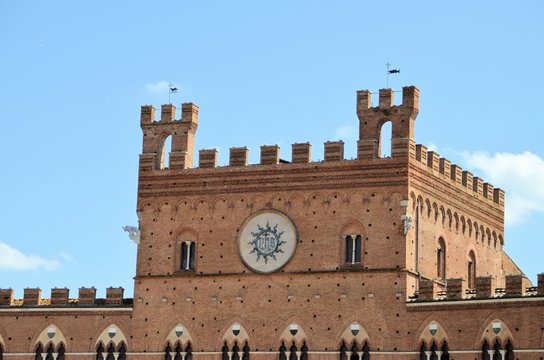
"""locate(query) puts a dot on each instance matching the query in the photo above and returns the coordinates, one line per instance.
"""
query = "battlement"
(60, 297)
(371, 120)
(156, 134)
(456, 289)
(454, 174)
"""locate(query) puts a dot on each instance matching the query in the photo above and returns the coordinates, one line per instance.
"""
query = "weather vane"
(171, 90)
(392, 71)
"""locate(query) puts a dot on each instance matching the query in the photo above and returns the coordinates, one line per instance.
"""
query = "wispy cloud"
(157, 87)
(13, 259)
(520, 175)
(346, 132)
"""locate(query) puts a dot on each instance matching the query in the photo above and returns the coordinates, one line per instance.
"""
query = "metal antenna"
(387, 78)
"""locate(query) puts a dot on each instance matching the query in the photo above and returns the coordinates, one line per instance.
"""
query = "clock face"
(267, 241)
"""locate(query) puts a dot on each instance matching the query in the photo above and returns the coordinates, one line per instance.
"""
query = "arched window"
(293, 352)
(471, 270)
(385, 146)
(225, 352)
(168, 352)
(366, 351)
(353, 249)
(189, 352)
(423, 352)
(497, 350)
(441, 259)
(165, 152)
(187, 256)
(354, 352)
(39, 352)
(485, 351)
(343, 349)
(99, 352)
(445, 351)
(179, 351)
(246, 352)
(304, 351)
(111, 352)
(509, 351)
(434, 349)
(122, 352)
(235, 352)
(60, 352)
(50, 353)
(283, 349)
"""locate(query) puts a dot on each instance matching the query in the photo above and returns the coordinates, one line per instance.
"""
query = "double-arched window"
(353, 249)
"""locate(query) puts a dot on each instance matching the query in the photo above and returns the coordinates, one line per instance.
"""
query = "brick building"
(374, 258)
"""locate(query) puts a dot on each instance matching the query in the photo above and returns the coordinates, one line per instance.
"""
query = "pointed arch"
(494, 329)
(111, 335)
(233, 334)
(179, 334)
(354, 333)
(293, 334)
(432, 333)
(51, 335)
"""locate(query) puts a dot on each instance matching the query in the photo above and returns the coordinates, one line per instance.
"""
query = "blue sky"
(73, 75)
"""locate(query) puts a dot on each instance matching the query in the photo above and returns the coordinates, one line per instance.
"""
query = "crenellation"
(301, 153)
(87, 296)
(114, 296)
(540, 282)
(147, 115)
(468, 180)
(387, 98)
(238, 156)
(32, 296)
(484, 286)
(421, 153)
(364, 101)
(372, 119)
(6, 297)
(428, 290)
(478, 186)
(456, 173)
(207, 158)
(270, 154)
(60, 296)
(334, 151)
(498, 196)
(168, 113)
(445, 167)
(189, 113)
(488, 191)
(410, 99)
(456, 288)
(516, 285)
(433, 160)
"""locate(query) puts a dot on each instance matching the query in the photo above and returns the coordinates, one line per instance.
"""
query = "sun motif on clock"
(267, 241)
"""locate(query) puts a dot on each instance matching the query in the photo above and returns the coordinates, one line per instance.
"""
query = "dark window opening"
(187, 262)
(353, 249)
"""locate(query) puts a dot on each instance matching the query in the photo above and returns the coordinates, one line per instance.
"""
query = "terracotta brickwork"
(392, 258)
